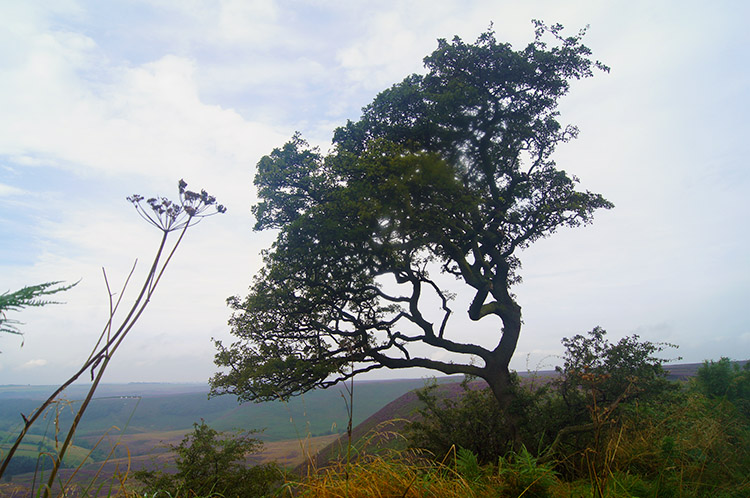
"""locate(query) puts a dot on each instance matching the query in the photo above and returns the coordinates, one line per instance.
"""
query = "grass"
(683, 445)
(638, 464)
(686, 446)
(379, 476)
(34, 445)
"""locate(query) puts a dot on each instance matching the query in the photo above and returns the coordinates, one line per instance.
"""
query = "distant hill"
(139, 420)
(148, 413)
(147, 408)
(150, 407)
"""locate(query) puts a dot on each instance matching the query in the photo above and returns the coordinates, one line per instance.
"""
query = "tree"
(447, 173)
(212, 463)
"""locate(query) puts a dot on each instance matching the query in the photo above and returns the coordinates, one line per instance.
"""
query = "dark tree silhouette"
(449, 172)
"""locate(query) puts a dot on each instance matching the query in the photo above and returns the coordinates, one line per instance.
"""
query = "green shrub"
(211, 463)
(725, 379)
(691, 446)
(595, 385)
(598, 384)
(597, 371)
(610, 424)
(473, 421)
(467, 465)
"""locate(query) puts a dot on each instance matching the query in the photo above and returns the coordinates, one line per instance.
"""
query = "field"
(134, 424)
(34, 445)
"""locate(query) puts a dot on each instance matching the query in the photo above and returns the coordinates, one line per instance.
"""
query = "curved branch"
(440, 366)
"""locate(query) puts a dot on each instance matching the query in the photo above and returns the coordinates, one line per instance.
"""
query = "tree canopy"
(446, 173)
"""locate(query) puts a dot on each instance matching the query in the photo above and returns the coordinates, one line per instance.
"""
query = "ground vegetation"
(209, 462)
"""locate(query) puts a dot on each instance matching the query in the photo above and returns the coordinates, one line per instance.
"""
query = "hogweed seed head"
(169, 216)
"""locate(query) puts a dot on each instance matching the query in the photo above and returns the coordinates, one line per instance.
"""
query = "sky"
(101, 100)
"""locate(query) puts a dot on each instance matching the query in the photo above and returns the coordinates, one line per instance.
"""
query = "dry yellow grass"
(293, 452)
(381, 477)
(12, 490)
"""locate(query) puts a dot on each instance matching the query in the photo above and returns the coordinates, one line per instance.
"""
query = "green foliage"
(689, 446)
(596, 384)
(29, 296)
(592, 366)
(521, 474)
(467, 465)
(724, 379)
(599, 380)
(609, 425)
(474, 421)
(646, 436)
(212, 463)
(449, 172)
(714, 378)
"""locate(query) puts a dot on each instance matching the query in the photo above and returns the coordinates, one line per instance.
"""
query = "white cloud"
(370, 62)
(34, 363)
(248, 21)
(146, 120)
(67, 104)
(8, 190)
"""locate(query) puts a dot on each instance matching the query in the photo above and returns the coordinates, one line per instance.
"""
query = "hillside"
(142, 419)
(132, 425)
(394, 415)
(147, 408)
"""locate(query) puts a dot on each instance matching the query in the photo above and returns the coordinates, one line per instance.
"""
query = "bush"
(692, 446)
(474, 421)
(597, 380)
(610, 424)
(724, 379)
(597, 371)
(212, 463)
(598, 383)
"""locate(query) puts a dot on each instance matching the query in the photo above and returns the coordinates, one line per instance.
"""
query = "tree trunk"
(498, 373)
(500, 384)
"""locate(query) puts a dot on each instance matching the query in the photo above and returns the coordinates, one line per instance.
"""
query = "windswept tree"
(450, 172)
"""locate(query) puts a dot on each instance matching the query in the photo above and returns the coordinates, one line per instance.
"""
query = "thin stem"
(197, 204)
(93, 360)
(112, 310)
(106, 353)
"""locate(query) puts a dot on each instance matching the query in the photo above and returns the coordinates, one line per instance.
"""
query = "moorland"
(139, 420)
(136, 427)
